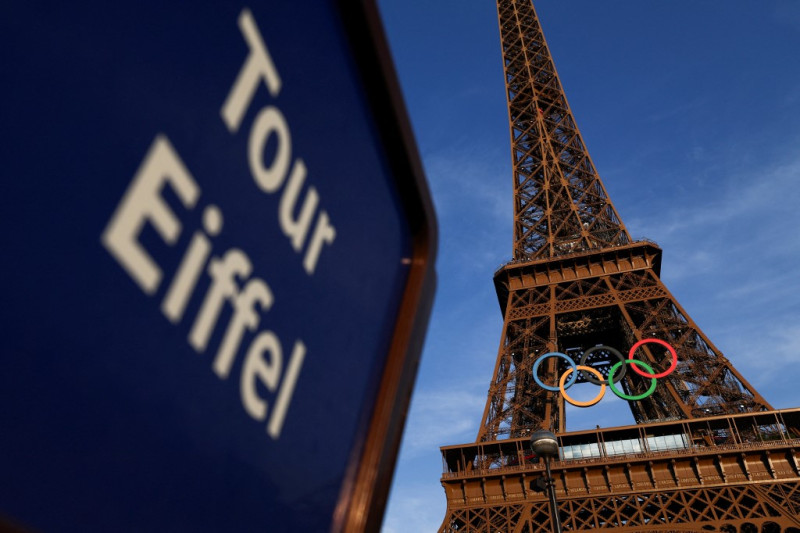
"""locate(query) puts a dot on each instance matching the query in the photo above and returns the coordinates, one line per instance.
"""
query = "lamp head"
(544, 443)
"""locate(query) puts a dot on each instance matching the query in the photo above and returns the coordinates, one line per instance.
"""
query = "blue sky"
(691, 112)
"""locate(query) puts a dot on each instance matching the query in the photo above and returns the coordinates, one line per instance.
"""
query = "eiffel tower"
(707, 452)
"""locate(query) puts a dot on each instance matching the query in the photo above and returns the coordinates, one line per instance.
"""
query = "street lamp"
(544, 444)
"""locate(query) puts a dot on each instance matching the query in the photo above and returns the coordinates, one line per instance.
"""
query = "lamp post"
(544, 444)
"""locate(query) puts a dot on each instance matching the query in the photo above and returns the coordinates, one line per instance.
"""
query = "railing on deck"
(721, 434)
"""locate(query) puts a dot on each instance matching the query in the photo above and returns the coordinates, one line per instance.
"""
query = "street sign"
(218, 262)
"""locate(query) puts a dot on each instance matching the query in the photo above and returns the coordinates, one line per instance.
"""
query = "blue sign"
(213, 256)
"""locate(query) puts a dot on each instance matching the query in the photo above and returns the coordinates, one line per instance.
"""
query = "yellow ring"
(591, 402)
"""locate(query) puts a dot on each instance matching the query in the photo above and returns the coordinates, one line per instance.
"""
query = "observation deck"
(635, 464)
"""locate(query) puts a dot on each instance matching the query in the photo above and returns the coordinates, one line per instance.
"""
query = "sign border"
(365, 490)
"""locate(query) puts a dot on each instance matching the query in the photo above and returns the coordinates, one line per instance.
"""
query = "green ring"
(624, 396)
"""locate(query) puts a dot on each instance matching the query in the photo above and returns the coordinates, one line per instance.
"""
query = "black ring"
(592, 379)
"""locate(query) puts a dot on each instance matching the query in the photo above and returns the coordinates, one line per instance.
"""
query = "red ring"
(667, 346)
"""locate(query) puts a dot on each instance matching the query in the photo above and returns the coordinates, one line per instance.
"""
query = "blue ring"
(569, 382)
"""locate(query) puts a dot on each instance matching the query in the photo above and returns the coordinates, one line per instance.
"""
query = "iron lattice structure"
(577, 280)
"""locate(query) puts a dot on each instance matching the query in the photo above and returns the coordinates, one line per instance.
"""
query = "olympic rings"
(653, 381)
(613, 376)
(616, 353)
(591, 371)
(668, 347)
(554, 354)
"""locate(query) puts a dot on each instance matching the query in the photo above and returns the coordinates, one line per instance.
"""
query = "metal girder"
(560, 204)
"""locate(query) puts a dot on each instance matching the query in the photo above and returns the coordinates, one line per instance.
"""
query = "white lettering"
(287, 390)
(257, 67)
(142, 202)
(263, 368)
(244, 316)
(297, 229)
(191, 266)
(223, 286)
(324, 233)
(269, 121)
(256, 367)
